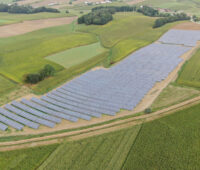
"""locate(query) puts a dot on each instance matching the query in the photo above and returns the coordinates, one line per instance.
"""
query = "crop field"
(154, 145)
(183, 5)
(189, 74)
(7, 18)
(25, 159)
(75, 56)
(168, 142)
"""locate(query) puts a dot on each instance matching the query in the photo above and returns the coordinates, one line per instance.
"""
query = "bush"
(47, 71)
(67, 11)
(148, 110)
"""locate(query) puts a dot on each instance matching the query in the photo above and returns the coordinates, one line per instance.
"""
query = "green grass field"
(6, 85)
(171, 142)
(188, 6)
(75, 56)
(190, 72)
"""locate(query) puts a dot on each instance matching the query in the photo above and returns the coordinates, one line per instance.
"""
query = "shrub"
(148, 110)
(47, 71)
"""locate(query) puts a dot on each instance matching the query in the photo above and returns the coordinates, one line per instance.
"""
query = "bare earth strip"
(188, 26)
(76, 135)
(29, 26)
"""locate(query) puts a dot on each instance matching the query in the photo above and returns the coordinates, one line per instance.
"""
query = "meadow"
(189, 74)
(159, 144)
(78, 55)
(188, 6)
(6, 85)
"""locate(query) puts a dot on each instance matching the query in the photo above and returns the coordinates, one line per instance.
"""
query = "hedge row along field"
(189, 74)
(169, 142)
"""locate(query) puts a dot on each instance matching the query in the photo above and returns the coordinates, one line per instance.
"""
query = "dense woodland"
(25, 9)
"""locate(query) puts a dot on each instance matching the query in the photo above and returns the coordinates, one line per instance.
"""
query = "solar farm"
(103, 91)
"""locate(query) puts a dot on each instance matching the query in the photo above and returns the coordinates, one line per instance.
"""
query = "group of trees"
(172, 18)
(25, 9)
(102, 15)
(98, 17)
(47, 71)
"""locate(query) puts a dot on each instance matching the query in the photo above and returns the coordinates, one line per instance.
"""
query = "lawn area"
(172, 95)
(78, 55)
(7, 18)
(26, 53)
(190, 72)
(183, 5)
(171, 142)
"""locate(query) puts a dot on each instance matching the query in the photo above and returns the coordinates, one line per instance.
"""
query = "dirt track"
(29, 26)
(188, 26)
(76, 135)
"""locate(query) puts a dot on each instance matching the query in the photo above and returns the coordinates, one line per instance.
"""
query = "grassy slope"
(172, 95)
(183, 5)
(77, 55)
(171, 142)
(189, 74)
(6, 85)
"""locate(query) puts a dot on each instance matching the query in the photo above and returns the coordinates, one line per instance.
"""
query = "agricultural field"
(7, 18)
(157, 144)
(168, 142)
(78, 55)
(189, 74)
(188, 6)
(30, 56)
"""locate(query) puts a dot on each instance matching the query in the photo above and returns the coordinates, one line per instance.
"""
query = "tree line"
(25, 9)
(47, 71)
(172, 18)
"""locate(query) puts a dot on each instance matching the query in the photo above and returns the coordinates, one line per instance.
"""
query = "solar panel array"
(103, 91)
(185, 37)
